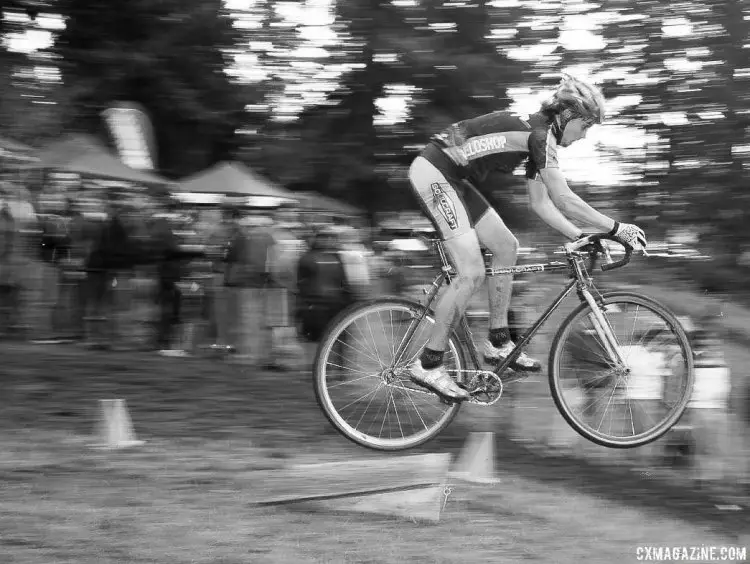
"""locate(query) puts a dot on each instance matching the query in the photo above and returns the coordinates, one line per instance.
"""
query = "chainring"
(485, 387)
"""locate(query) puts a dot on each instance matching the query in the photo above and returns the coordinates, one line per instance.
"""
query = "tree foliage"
(169, 56)
(26, 113)
(676, 75)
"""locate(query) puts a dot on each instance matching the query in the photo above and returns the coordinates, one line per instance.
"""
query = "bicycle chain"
(481, 383)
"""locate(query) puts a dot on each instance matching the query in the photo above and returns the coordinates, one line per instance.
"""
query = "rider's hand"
(630, 235)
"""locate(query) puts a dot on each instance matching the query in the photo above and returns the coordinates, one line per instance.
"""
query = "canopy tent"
(84, 155)
(233, 179)
(105, 165)
(60, 152)
(314, 201)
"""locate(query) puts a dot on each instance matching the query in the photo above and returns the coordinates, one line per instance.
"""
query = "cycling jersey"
(498, 141)
(448, 178)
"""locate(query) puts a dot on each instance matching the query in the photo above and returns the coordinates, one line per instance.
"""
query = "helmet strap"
(565, 116)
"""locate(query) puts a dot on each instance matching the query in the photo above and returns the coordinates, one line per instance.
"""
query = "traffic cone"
(116, 428)
(477, 461)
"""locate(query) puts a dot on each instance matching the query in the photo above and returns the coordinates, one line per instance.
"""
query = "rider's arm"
(570, 203)
(548, 212)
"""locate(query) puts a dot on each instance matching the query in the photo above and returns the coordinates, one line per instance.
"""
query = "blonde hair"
(582, 99)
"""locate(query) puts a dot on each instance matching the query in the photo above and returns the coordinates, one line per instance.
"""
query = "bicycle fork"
(603, 329)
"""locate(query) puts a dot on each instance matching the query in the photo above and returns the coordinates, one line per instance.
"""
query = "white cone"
(116, 428)
(477, 461)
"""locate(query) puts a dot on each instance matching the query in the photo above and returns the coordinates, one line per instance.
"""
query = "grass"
(214, 432)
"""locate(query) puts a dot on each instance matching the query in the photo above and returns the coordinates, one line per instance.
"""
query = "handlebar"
(595, 248)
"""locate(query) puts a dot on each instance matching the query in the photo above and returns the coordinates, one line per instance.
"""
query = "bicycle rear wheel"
(622, 406)
(365, 392)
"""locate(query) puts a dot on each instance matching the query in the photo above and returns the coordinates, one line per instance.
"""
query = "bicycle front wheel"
(363, 388)
(629, 404)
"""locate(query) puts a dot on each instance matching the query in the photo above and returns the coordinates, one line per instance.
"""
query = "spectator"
(279, 299)
(167, 293)
(70, 310)
(111, 253)
(245, 272)
(8, 273)
(323, 286)
(217, 242)
(355, 258)
(256, 307)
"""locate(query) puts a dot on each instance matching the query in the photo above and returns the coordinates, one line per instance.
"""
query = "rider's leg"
(466, 257)
(497, 238)
(443, 205)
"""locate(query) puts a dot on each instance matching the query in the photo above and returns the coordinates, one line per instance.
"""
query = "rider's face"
(575, 129)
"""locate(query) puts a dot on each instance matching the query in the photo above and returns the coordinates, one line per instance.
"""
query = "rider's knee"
(505, 252)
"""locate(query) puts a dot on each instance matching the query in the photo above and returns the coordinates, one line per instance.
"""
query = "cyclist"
(449, 179)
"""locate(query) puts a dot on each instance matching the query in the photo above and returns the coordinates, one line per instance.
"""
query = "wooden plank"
(422, 504)
(309, 482)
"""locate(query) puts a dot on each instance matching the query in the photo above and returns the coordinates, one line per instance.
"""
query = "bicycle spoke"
(609, 403)
(354, 381)
(358, 341)
(377, 352)
(411, 400)
(635, 321)
(369, 356)
(630, 410)
(610, 361)
(361, 398)
(395, 412)
(330, 363)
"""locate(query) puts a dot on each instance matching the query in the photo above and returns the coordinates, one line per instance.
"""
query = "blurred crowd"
(128, 271)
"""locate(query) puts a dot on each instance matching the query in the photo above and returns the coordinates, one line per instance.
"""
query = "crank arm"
(485, 388)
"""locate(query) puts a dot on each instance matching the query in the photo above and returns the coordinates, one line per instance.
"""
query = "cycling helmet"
(581, 100)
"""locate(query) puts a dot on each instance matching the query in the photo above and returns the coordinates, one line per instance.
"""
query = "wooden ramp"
(408, 486)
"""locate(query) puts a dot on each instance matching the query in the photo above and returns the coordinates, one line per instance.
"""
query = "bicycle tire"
(558, 346)
(335, 328)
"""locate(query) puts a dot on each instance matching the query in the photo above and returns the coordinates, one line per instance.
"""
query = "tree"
(169, 56)
(437, 54)
(25, 109)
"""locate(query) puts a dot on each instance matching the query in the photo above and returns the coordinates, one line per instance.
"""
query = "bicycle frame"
(581, 280)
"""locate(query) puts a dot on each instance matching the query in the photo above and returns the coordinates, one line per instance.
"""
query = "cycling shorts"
(453, 204)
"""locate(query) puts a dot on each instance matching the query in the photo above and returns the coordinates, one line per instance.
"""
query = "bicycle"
(662, 350)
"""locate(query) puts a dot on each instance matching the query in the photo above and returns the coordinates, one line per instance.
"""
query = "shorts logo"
(445, 205)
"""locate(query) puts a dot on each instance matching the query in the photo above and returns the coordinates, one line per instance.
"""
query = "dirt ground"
(213, 430)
